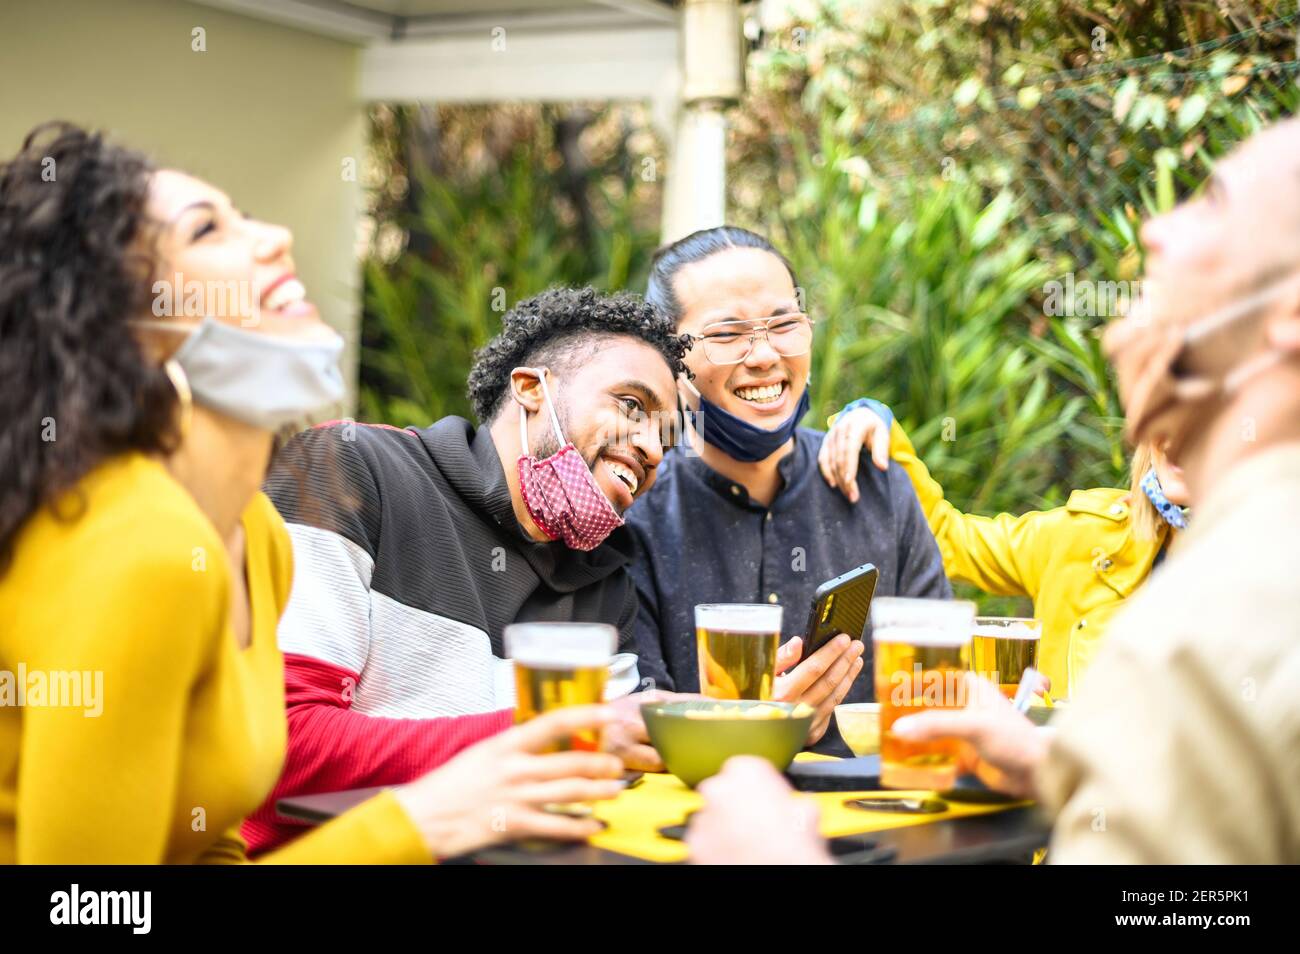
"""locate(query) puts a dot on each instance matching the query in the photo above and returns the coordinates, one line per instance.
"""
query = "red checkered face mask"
(560, 493)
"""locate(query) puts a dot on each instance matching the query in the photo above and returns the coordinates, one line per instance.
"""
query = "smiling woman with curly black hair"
(142, 709)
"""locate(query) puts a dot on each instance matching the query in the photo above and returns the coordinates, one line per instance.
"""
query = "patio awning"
(684, 59)
(482, 51)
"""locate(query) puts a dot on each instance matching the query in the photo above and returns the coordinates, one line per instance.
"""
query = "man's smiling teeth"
(764, 395)
(623, 474)
(284, 294)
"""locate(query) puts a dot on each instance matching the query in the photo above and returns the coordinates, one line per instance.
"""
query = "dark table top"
(1010, 836)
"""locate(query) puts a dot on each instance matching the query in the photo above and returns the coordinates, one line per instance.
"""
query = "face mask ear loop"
(1249, 369)
(181, 383)
(550, 406)
(1202, 387)
(546, 399)
(1236, 310)
(686, 415)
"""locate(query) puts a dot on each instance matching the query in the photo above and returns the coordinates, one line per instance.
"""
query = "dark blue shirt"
(701, 539)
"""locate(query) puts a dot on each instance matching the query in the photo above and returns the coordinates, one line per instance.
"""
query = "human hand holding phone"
(822, 680)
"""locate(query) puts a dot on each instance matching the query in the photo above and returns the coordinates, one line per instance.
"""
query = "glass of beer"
(1002, 648)
(560, 664)
(922, 650)
(737, 646)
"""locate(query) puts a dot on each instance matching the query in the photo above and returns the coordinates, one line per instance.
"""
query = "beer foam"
(561, 658)
(926, 622)
(1018, 631)
(921, 637)
(740, 617)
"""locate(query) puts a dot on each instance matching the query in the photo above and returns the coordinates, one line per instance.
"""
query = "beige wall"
(267, 113)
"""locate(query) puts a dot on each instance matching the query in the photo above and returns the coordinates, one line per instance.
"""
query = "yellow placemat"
(635, 815)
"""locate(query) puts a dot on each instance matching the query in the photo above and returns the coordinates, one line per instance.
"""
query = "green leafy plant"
(928, 166)
(479, 240)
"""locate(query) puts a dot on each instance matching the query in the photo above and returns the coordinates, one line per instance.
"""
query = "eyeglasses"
(731, 342)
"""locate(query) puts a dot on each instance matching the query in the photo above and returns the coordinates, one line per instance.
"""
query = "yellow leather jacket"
(1078, 563)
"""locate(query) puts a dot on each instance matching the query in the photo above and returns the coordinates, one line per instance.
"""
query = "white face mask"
(259, 379)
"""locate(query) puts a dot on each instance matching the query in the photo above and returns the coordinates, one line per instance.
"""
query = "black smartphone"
(840, 605)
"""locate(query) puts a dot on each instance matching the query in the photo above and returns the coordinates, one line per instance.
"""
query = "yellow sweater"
(133, 729)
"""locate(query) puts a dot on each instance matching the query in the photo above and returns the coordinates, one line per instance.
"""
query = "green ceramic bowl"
(694, 749)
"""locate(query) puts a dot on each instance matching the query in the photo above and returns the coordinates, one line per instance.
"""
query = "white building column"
(712, 79)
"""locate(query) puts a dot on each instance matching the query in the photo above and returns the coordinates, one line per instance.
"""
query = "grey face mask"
(259, 379)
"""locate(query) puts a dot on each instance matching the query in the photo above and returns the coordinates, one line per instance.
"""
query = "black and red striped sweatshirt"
(408, 563)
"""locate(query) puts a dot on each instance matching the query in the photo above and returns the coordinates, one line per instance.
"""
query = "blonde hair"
(1146, 519)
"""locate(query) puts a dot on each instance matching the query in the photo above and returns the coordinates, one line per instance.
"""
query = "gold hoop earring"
(181, 383)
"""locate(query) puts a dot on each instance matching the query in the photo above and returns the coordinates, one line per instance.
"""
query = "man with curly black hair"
(413, 549)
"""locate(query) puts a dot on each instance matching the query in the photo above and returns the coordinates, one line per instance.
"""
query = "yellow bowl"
(859, 725)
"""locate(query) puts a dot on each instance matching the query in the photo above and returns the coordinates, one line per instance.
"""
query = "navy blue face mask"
(740, 439)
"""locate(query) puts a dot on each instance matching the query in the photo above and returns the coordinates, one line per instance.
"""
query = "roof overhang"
(493, 50)
(365, 21)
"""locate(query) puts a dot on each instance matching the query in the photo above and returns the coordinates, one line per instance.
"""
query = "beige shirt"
(1183, 744)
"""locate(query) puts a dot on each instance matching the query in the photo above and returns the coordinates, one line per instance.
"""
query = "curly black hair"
(551, 329)
(75, 386)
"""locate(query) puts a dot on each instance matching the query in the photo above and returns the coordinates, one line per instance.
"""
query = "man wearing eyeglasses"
(740, 513)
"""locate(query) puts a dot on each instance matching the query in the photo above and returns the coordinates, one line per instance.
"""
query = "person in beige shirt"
(1183, 744)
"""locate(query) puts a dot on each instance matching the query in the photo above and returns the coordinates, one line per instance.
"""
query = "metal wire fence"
(1092, 142)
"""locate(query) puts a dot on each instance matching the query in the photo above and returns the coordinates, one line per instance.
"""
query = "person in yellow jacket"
(143, 573)
(1077, 563)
